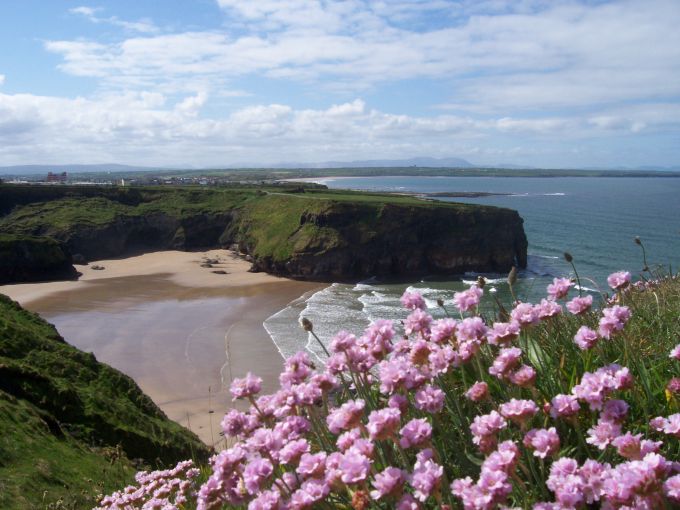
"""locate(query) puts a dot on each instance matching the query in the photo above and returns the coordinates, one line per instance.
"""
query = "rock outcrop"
(31, 259)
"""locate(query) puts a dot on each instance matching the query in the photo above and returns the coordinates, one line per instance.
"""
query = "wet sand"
(179, 330)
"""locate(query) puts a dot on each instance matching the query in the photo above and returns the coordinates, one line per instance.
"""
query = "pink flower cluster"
(169, 488)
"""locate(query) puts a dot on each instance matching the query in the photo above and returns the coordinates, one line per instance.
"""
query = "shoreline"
(179, 330)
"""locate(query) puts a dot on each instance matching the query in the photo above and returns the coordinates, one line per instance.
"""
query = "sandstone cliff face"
(404, 241)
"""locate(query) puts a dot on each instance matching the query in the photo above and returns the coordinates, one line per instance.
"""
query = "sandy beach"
(181, 331)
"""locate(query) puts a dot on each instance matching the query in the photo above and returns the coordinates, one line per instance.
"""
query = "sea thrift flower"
(613, 320)
(671, 488)
(544, 442)
(468, 299)
(471, 329)
(347, 416)
(615, 410)
(234, 423)
(628, 446)
(580, 305)
(525, 314)
(443, 330)
(413, 301)
(595, 387)
(255, 473)
(354, 467)
(619, 280)
(416, 433)
(675, 353)
(559, 288)
(417, 322)
(502, 333)
(429, 399)
(524, 376)
(585, 338)
(478, 392)
(389, 482)
(547, 309)
(426, 476)
(343, 341)
(519, 411)
(603, 433)
(506, 361)
(291, 452)
(245, 387)
(563, 406)
(398, 402)
(673, 386)
(485, 427)
(312, 464)
(383, 423)
(503, 459)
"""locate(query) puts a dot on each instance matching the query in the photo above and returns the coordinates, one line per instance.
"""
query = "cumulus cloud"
(149, 127)
(2, 79)
(496, 56)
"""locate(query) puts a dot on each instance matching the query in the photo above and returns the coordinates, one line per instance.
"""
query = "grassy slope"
(56, 402)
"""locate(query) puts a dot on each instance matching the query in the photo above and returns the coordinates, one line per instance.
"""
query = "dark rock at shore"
(34, 259)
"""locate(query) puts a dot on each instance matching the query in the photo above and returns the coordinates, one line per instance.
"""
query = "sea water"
(594, 218)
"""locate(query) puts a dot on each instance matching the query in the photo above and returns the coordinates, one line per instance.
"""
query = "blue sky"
(209, 83)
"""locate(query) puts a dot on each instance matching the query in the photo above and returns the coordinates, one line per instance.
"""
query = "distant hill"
(99, 168)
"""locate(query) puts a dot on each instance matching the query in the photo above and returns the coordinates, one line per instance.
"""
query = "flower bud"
(568, 257)
(637, 240)
(440, 302)
(481, 281)
(306, 324)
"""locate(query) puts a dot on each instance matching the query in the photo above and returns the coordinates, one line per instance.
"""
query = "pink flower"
(443, 330)
(547, 309)
(429, 399)
(471, 329)
(675, 353)
(354, 467)
(619, 280)
(343, 341)
(671, 488)
(503, 459)
(585, 338)
(524, 376)
(580, 305)
(255, 473)
(544, 442)
(563, 406)
(291, 452)
(388, 482)
(477, 392)
(347, 416)
(613, 320)
(383, 423)
(603, 433)
(502, 333)
(525, 314)
(615, 410)
(425, 477)
(416, 433)
(628, 446)
(468, 299)
(519, 411)
(485, 427)
(506, 361)
(412, 301)
(245, 387)
(312, 464)
(417, 321)
(559, 288)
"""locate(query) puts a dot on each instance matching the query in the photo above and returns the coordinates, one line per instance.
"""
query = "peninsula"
(296, 231)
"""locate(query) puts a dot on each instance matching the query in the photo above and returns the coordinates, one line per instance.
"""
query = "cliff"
(29, 258)
(62, 415)
(313, 234)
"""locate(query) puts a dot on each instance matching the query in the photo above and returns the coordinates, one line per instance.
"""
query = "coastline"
(179, 330)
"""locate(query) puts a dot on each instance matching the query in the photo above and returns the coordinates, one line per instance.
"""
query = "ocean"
(595, 219)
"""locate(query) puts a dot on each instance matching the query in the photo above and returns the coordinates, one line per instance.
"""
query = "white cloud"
(2, 79)
(496, 56)
(143, 26)
(147, 128)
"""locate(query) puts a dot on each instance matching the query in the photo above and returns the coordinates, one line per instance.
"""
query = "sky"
(216, 83)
